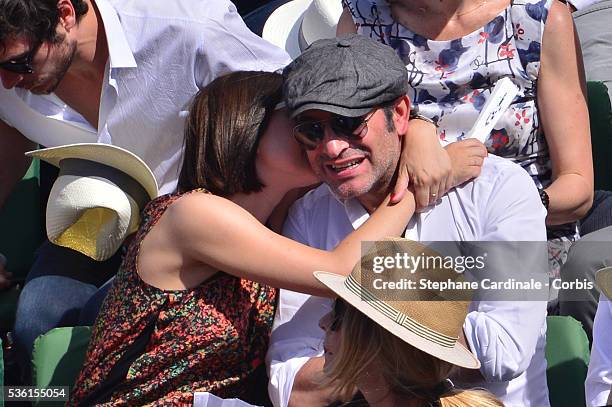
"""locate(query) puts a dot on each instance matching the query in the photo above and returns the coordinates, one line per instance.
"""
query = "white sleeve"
(512, 209)
(227, 45)
(598, 383)
(294, 340)
(504, 334)
(582, 4)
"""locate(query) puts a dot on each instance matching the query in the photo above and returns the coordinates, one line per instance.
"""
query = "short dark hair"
(34, 19)
(226, 121)
(389, 117)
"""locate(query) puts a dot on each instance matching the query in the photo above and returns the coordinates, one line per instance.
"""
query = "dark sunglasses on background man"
(310, 133)
(21, 64)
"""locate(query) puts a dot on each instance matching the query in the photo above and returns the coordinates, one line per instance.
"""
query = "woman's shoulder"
(194, 214)
(195, 203)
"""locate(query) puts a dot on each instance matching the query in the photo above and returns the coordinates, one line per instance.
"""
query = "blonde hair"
(407, 370)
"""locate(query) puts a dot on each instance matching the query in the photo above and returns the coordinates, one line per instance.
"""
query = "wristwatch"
(544, 197)
(416, 115)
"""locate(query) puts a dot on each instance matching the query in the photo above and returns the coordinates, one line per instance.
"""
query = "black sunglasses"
(23, 64)
(339, 309)
(310, 133)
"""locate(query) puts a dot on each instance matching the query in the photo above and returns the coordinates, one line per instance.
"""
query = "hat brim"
(603, 278)
(457, 355)
(107, 154)
(282, 28)
(340, 110)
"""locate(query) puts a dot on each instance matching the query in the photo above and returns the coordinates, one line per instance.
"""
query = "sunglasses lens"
(309, 134)
(351, 127)
(346, 125)
(19, 68)
(21, 65)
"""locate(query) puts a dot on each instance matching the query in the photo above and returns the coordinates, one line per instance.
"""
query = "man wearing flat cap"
(348, 97)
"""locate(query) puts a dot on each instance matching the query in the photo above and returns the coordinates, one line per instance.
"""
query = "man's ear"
(67, 15)
(401, 114)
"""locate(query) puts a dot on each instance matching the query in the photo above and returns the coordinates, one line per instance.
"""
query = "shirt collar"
(119, 51)
(355, 211)
(357, 215)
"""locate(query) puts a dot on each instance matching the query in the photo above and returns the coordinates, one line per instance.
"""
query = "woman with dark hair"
(191, 308)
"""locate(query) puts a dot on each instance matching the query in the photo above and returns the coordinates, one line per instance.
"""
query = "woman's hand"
(424, 165)
(467, 157)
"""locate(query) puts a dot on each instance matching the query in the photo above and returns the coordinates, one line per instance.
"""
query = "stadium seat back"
(567, 356)
(600, 112)
(58, 356)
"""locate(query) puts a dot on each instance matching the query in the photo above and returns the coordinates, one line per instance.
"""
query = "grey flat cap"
(348, 76)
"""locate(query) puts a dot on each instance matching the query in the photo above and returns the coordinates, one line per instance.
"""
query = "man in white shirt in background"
(352, 139)
(106, 71)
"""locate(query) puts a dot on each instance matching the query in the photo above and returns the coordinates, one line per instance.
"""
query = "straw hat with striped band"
(96, 201)
(423, 318)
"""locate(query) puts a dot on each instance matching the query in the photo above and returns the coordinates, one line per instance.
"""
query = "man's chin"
(44, 88)
(40, 91)
(344, 192)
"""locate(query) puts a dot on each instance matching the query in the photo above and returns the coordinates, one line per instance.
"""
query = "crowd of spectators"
(267, 159)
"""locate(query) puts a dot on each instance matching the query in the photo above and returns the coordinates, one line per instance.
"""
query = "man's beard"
(55, 76)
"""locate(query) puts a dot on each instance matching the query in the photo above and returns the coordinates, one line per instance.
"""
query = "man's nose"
(10, 79)
(333, 144)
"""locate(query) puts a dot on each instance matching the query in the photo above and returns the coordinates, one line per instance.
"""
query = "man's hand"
(467, 157)
(306, 391)
(424, 164)
(5, 276)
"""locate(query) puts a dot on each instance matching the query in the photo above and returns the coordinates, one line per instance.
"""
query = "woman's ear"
(401, 114)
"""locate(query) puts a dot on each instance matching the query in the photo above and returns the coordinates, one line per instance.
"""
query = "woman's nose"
(325, 321)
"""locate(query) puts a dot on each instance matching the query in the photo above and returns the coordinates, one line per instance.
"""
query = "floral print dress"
(210, 338)
(452, 79)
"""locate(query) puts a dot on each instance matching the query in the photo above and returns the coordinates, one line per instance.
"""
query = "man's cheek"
(314, 163)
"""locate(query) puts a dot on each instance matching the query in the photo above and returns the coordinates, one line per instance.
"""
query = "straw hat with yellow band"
(95, 202)
(429, 320)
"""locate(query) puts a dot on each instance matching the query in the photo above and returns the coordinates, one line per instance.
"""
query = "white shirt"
(160, 54)
(582, 4)
(508, 337)
(599, 378)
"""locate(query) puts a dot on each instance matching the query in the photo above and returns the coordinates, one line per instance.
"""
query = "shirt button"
(344, 43)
